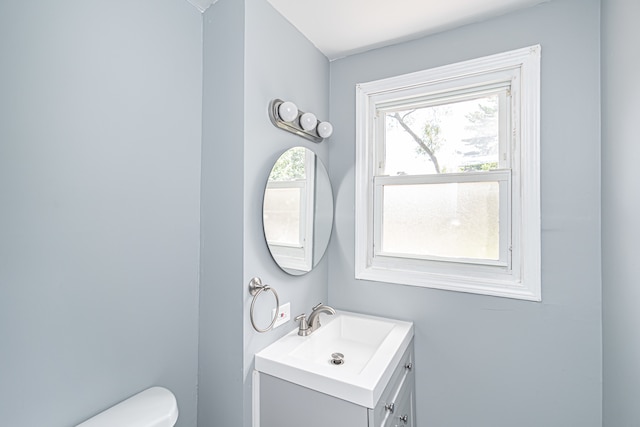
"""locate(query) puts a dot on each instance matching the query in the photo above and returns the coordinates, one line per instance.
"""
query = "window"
(447, 177)
(288, 209)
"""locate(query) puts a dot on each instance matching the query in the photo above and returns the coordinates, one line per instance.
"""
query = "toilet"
(154, 407)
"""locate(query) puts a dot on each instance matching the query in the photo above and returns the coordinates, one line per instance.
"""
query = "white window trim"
(523, 281)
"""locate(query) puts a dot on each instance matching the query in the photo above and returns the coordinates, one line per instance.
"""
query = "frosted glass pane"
(451, 220)
(281, 215)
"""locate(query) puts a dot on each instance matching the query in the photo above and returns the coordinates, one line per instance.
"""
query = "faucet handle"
(304, 326)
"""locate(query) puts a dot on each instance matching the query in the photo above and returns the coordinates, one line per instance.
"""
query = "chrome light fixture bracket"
(293, 126)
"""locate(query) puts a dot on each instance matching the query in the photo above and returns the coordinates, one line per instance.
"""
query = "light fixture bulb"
(308, 121)
(325, 129)
(288, 111)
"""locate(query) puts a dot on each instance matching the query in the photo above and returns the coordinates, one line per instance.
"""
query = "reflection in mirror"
(297, 211)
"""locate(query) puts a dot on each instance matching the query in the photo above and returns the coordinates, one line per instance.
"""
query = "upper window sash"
(507, 105)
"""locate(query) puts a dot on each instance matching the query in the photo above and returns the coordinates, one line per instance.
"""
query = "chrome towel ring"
(256, 288)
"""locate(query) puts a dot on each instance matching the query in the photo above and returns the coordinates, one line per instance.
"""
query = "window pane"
(290, 166)
(450, 220)
(281, 216)
(448, 138)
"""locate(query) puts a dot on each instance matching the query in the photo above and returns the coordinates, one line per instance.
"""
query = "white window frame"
(520, 277)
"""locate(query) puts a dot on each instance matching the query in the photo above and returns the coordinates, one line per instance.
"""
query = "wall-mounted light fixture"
(285, 115)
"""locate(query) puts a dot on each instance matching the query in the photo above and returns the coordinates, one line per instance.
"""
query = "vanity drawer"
(401, 380)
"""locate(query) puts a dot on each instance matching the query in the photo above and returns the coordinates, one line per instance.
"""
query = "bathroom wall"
(100, 130)
(103, 109)
(487, 361)
(252, 55)
(220, 353)
(279, 63)
(620, 212)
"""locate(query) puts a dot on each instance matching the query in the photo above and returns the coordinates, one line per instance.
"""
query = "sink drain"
(337, 359)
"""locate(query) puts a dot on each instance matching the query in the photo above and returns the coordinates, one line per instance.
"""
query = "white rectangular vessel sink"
(372, 346)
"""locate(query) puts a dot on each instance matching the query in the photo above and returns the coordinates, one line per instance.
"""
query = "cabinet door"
(381, 414)
(284, 404)
(403, 414)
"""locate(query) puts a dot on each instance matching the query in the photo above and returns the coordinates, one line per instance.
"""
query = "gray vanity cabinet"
(285, 404)
(396, 406)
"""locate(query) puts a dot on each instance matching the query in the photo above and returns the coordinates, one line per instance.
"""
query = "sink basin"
(372, 347)
(355, 337)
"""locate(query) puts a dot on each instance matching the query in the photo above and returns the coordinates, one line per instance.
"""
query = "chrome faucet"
(308, 326)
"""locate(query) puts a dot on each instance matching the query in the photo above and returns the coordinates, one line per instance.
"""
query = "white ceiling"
(343, 27)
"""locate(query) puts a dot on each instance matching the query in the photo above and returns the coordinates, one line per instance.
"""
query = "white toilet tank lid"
(154, 407)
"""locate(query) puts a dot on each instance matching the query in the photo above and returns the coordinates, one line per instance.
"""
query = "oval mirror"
(297, 211)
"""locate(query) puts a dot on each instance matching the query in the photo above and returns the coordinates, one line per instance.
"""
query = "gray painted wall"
(99, 227)
(252, 55)
(222, 246)
(485, 361)
(279, 63)
(620, 212)
(100, 115)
